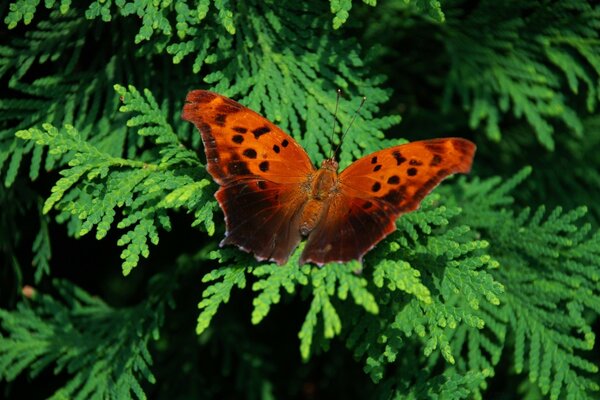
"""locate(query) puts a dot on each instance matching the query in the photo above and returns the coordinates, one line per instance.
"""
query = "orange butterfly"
(272, 195)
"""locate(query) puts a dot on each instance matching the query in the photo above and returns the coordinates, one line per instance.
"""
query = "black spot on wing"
(436, 160)
(228, 107)
(393, 180)
(415, 162)
(442, 173)
(276, 148)
(258, 132)
(220, 119)
(435, 147)
(236, 167)
(398, 157)
(225, 109)
(240, 129)
(395, 196)
(411, 172)
(463, 146)
(377, 168)
(239, 139)
(426, 188)
(285, 143)
(374, 160)
(250, 153)
(264, 166)
(376, 186)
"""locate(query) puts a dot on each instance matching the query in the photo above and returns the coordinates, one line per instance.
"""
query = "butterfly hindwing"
(262, 217)
(347, 230)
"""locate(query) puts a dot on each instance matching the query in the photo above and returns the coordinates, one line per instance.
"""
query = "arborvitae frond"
(97, 184)
(448, 386)
(443, 270)
(341, 10)
(219, 292)
(155, 16)
(16, 202)
(428, 9)
(103, 350)
(272, 279)
(289, 77)
(42, 251)
(323, 284)
(63, 96)
(568, 176)
(550, 269)
(516, 60)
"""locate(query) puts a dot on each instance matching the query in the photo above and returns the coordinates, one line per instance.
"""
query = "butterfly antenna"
(362, 102)
(337, 102)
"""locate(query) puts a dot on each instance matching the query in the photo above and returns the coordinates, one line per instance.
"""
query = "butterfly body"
(272, 195)
(322, 186)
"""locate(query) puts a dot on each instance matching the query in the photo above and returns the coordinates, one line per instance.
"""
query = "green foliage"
(97, 184)
(290, 78)
(104, 349)
(492, 285)
(497, 63)
(450, 385)
(341, 10)
(553, 271)
(572, 180)
(535, 54)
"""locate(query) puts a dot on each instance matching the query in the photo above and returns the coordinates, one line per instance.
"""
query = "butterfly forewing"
(402, 176)
(241, 144)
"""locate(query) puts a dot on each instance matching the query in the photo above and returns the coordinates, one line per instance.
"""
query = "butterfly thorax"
(324, 181)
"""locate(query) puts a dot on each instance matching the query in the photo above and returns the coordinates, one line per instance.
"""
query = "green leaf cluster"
(490, 289)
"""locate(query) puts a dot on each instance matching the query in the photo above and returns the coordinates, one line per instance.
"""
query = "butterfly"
(272, 195)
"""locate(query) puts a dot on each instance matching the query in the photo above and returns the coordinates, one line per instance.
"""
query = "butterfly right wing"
(375, 190)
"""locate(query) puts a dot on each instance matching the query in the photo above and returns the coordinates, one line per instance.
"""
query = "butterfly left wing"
(378, 188)
(260, 169)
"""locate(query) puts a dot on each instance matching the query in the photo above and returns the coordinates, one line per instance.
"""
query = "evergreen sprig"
(574, 178)
(481, 279)
(103, 350)
(97, 184)
(550, 281)
(525, 64)
(288, 77)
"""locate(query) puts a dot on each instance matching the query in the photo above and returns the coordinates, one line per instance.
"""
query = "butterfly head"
(330, 164)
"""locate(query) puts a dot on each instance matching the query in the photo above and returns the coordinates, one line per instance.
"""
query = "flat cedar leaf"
(489, 275)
